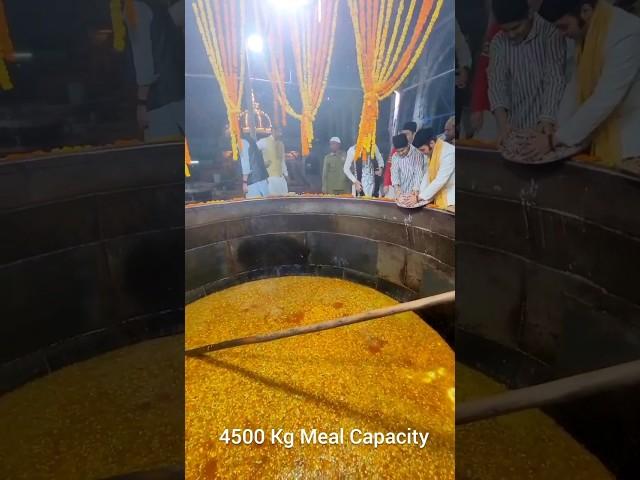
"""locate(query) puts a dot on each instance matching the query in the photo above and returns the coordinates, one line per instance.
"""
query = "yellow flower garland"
(221, 26)
(312, 43)
(6, 50)
(382, 65)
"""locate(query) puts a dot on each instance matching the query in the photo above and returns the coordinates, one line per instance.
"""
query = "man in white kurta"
(273, 153)
(157, 45)
(366, 185)
(445, 178)
(616, 95)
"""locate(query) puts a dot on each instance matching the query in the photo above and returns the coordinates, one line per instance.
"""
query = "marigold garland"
(6, 50)
(187, 159)
(221, 26)
(118, 21)
(385, 63)
(312, 38)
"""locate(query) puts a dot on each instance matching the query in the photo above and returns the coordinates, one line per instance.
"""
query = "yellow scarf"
(273, 154)
(117, 21)
(440, 200)
(605, 145)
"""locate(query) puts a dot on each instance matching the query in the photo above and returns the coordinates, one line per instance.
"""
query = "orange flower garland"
(221, 26)
(187, 159)
(312, 38)
(6, 50)
(385, 63)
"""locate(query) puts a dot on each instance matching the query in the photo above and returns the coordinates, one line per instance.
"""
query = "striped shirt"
(408, 171)
(528, 79)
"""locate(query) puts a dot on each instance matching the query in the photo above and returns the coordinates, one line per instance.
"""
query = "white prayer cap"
(335, 139)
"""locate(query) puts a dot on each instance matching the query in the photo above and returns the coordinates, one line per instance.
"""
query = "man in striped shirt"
(526, 69)
(407, 167)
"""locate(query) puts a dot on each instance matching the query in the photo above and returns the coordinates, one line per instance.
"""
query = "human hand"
(537, 147)
(358, 186)
(503, 134)
(545, 127)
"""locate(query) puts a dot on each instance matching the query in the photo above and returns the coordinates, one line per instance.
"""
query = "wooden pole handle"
(565, 389)
(434, 300)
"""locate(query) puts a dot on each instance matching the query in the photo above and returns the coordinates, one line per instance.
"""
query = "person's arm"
(395, 173)
(244, 163)
(379, 157)
(554, 78)
(447, 168)
(621, 67)
(141, 48)
(420, 173)
(347, 166)
(285, 172)
(498, 79)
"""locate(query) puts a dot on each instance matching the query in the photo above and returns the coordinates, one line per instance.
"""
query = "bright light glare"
(289, 3)
(254, 43)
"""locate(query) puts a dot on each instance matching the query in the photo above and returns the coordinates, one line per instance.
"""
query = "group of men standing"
(421, 168)
(569, 69)
(263, 165)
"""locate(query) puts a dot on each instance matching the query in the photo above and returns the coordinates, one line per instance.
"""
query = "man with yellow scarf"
(439, 184)
(601, 104)
(274, 159)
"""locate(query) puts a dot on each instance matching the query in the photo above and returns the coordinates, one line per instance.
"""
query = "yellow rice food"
(387, 375)
(527, 445)
(114, 414)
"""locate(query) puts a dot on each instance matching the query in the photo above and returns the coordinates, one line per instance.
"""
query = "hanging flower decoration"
(275, 42)
(6, 50)
(385, 62)
(118, 21)
(221, 26)
(312, 39)
(187, 159)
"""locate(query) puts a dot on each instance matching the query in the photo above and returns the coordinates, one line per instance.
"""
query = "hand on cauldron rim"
(537, 147)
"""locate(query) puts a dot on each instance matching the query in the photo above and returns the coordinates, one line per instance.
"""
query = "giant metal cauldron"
(85, 258)
(548, 285)
(402, 253)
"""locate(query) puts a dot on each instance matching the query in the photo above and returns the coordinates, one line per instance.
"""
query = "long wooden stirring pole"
(432, 301)
(565, 389)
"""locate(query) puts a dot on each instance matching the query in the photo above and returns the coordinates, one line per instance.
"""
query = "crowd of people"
(419, 169)
(568, 70)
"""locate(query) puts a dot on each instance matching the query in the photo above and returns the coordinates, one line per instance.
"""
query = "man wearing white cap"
(333, 180)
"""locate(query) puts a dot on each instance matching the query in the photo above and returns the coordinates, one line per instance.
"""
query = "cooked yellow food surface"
(388, 375)
(114, 414)
(523, 445)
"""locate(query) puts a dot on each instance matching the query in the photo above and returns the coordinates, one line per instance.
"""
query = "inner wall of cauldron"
(555, 293)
